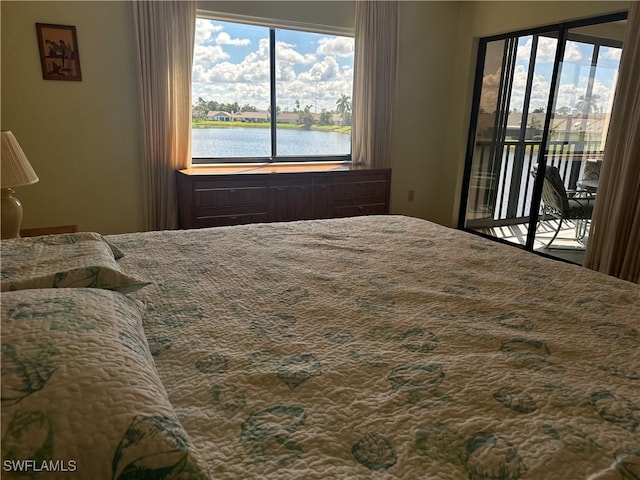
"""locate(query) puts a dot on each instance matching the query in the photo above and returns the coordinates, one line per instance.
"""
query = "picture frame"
(59, 55)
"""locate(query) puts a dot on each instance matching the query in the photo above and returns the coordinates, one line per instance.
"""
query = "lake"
(256, 142)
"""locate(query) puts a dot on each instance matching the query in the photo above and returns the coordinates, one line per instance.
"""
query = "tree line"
(305, 117)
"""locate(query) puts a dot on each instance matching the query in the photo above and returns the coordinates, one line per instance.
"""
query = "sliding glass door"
(542, 98)
(578, 129)
(511, 108)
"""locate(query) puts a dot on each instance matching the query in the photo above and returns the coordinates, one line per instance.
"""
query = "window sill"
(284, 167)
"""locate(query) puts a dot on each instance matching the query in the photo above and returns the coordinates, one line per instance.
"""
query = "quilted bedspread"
(389, 347)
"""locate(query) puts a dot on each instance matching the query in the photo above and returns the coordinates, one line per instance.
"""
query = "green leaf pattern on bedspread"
(296, 370)
(28, 436)
(79, 384)
(24, 374)
(132, 459)
(389, 347)
(374, 452)
(269, 434)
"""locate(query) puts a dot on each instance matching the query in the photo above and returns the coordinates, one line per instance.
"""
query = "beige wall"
(82, 137)
(426, 98)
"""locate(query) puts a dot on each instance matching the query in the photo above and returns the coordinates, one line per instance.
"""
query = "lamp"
(15, 171)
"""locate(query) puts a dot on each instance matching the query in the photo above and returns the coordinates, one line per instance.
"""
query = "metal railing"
(501, 184)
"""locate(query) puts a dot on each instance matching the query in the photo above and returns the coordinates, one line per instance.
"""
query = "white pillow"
(79, 386)
(82, 259)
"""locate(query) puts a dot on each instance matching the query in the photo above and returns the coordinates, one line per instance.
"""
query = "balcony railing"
(501, 183)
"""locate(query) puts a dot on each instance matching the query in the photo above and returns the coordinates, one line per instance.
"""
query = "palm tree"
(587, 104)
(305, 118)
(344, 108)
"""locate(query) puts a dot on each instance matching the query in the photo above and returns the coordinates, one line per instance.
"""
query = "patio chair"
(563, 205)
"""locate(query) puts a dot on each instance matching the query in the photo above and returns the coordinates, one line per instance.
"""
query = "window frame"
(564, 34)
(274, 158)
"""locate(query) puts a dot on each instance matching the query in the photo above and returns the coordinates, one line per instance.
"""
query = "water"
(256, 142)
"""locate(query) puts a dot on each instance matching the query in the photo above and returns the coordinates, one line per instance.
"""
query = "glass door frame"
(561, 31)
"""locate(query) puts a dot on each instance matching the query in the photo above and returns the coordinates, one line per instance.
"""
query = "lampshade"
(16, 169)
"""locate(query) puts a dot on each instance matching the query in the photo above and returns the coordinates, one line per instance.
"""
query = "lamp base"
(11, 214)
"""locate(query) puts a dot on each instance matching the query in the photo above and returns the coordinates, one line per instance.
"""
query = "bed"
(356, 348)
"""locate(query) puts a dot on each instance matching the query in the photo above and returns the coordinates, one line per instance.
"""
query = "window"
(243, 73)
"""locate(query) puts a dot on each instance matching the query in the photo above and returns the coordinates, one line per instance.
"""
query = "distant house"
(294, 117)
(252, 117)
(219, 116)
(288, 117)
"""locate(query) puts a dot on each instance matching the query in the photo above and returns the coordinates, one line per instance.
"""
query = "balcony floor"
(565, 245)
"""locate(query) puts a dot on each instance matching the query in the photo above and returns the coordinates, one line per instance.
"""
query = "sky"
(231, 64)
(574, 76)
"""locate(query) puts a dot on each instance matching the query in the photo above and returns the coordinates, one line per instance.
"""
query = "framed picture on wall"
(59, 54)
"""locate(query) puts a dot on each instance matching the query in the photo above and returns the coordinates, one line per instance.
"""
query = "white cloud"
(224, 72)
(604, 95)
(285, 72)
(205, 30)
(489, 97)
(208, 55)
(546, 51)
(223, 38)
(210, 67)
(336, 46)
(491, 85)
(323, 71)
(611, 53)
(572, 53)
(539, 90)
(320, 86)
(567, 96)
(253, 72)
(287, 54)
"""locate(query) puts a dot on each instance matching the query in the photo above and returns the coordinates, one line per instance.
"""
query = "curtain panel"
(614, 237)
(163, 37)
(374, 85)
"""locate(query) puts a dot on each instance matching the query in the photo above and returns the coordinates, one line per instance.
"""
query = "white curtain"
(614, 238)
(374, 82)
(163, 37)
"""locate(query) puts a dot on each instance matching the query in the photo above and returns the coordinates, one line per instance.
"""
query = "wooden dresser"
(232, 195)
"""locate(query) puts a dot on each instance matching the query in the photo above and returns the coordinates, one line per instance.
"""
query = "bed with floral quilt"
(381, 347)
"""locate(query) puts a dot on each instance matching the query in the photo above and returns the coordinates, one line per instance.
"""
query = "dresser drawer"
(241, 198)
(360, 187)
(360, 209)
(225, 220)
